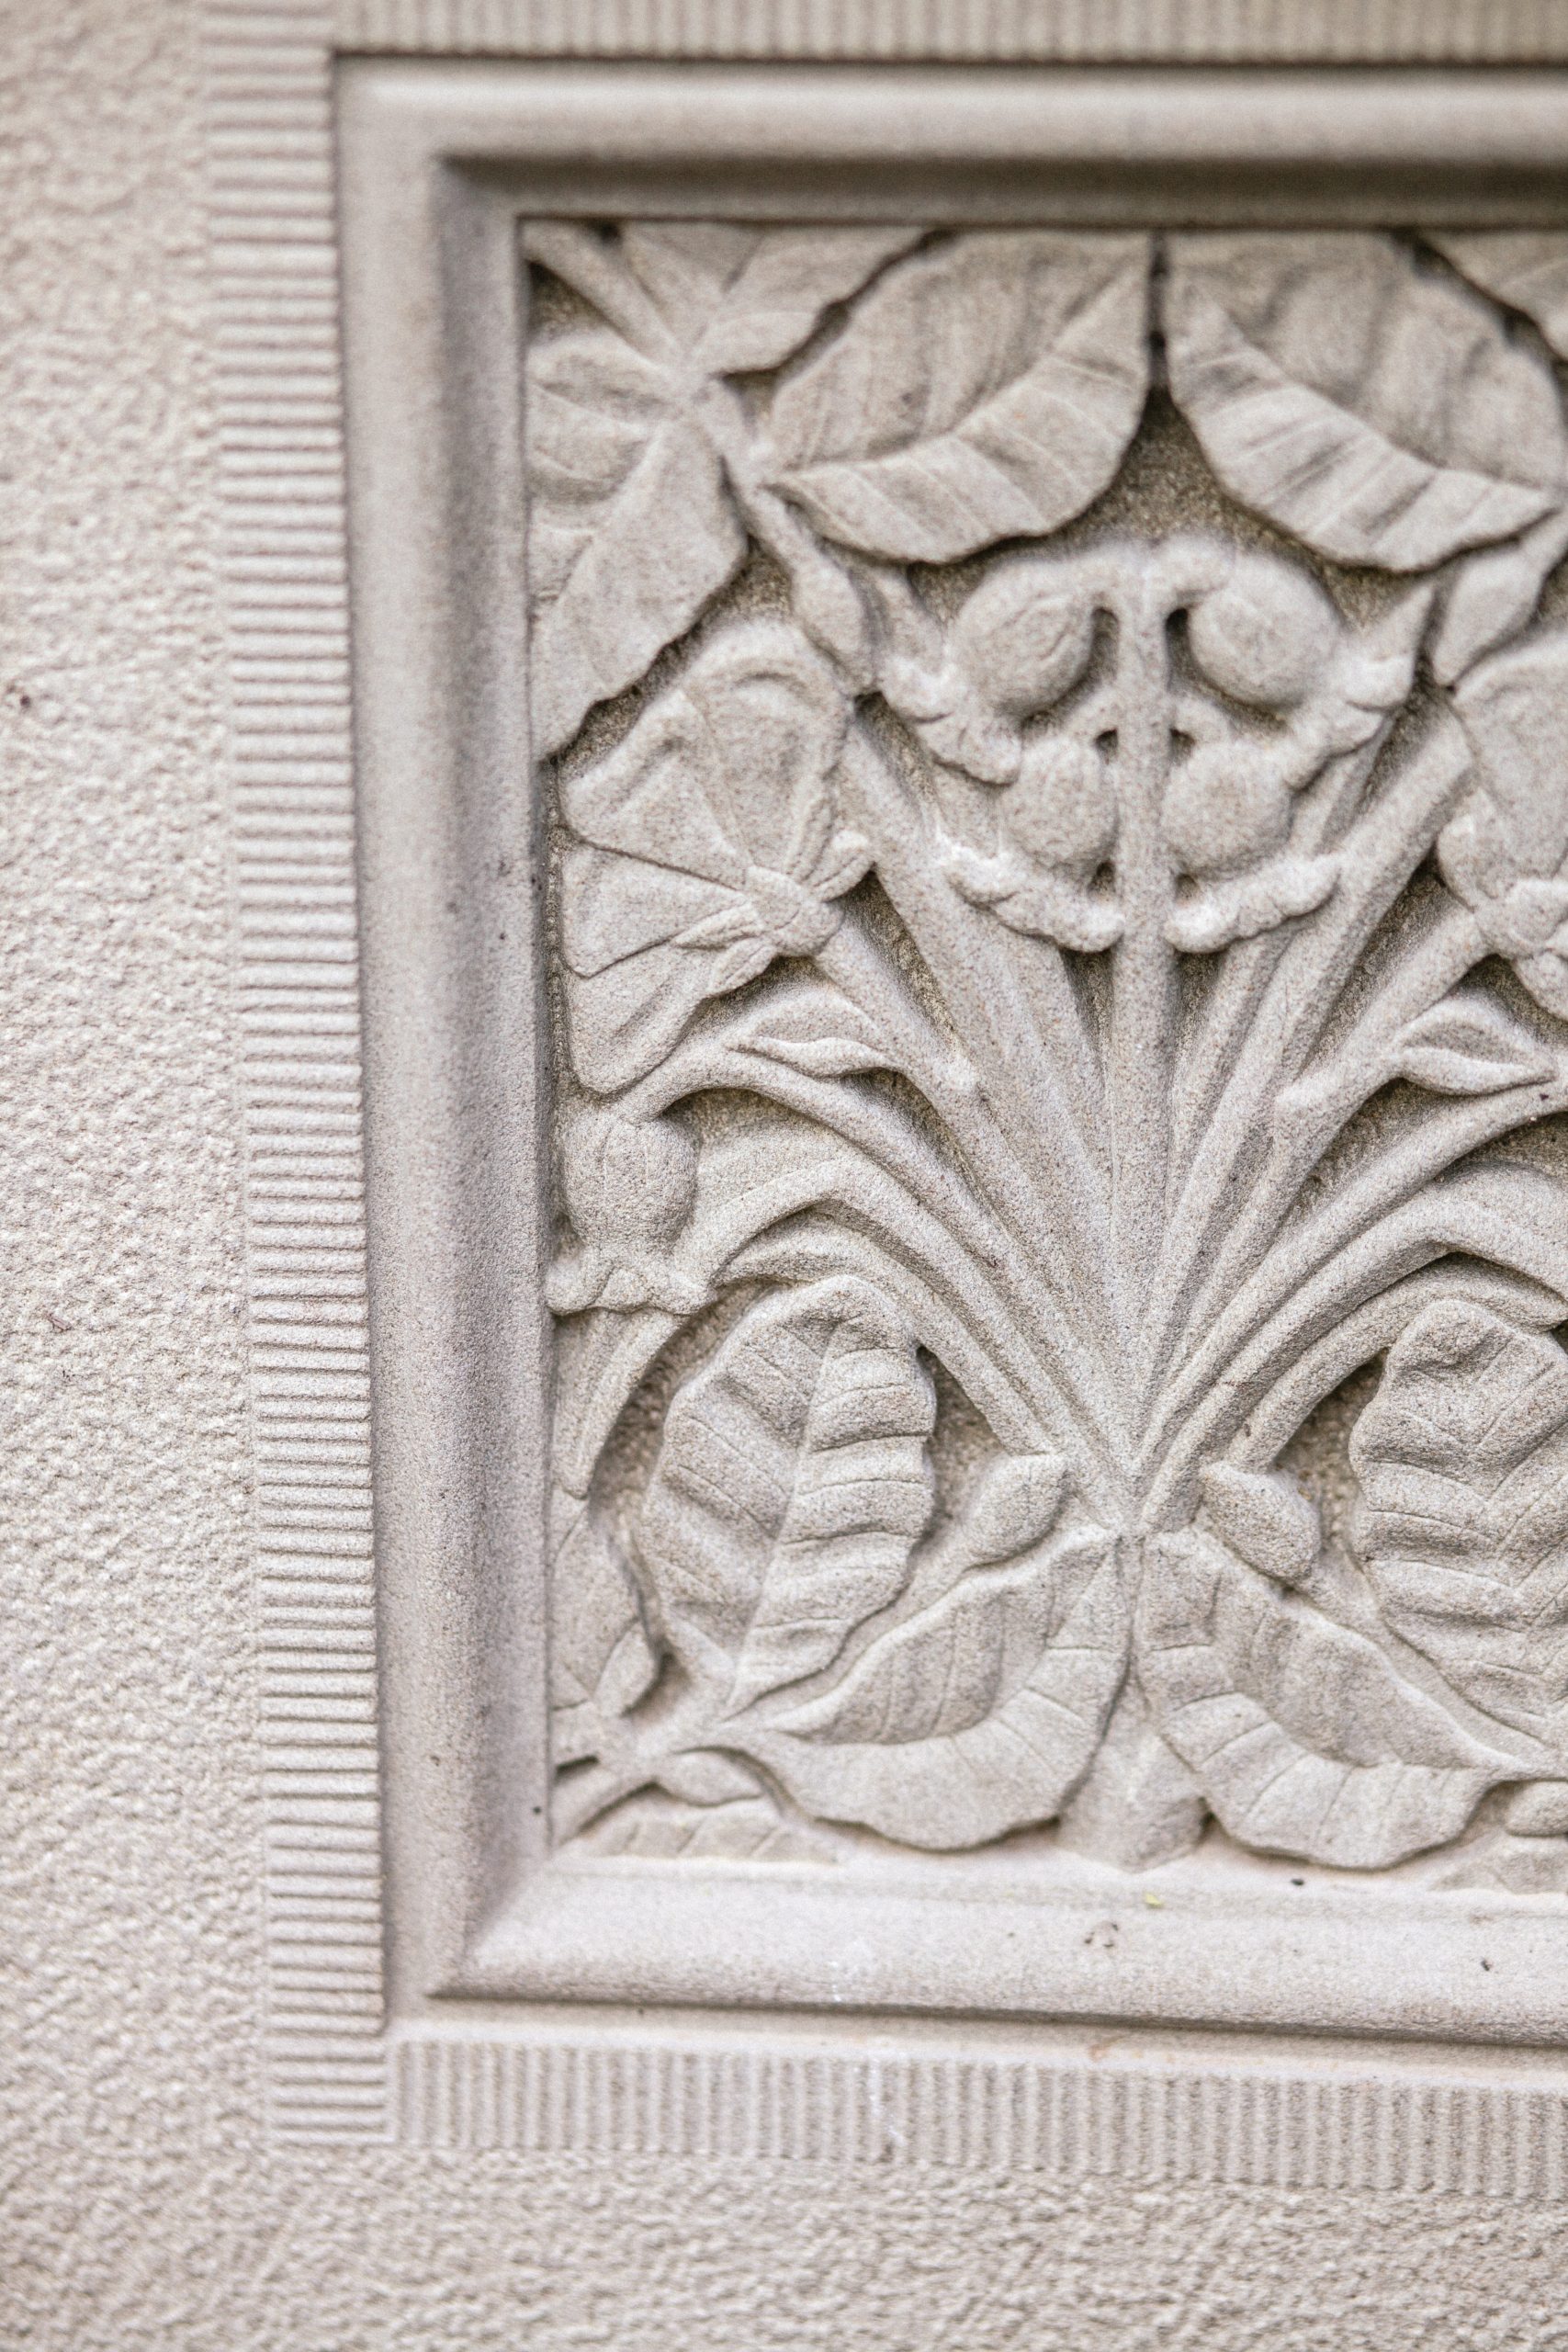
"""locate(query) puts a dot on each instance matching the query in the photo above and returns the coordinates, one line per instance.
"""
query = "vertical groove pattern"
(280, 454)
(1457, 32)
(1392, 2133)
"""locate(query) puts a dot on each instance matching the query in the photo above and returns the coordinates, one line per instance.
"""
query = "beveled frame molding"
(438, 159)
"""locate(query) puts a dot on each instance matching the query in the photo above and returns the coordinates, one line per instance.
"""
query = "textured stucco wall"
(142, 2207)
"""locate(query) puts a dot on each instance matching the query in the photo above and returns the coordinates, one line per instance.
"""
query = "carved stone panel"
(1056, 799)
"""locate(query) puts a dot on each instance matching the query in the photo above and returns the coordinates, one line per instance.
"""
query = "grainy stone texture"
(142, 2208)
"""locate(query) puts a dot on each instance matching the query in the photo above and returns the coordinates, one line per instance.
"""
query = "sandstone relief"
(1057, 760)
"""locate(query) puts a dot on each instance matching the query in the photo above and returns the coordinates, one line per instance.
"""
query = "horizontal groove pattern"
(281, 466)
(1391, 2133)
(1467, 32)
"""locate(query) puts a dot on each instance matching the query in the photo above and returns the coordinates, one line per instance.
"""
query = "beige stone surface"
(142, 2205)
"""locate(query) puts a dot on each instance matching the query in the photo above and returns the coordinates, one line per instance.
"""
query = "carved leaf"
(791, 1485)
(1514, 710)
(632, 526)
(1526, 268)
(1468, 1044)
(601, 1658)
(1495, 594)
(1506, 854)
(984, 389)
(631, 529)
(708, 844)
(743, 1829)
(977, 1716)
(743, 298)
(823, 1034)
(1463, 1459)
(1381, 414)
(1305, 1739)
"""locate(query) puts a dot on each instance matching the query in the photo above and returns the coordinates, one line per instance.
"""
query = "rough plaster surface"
(142, 2205)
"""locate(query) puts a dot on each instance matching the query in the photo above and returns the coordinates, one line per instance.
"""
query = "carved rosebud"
(628, 1184)
(1025, 635)
(1267, 636)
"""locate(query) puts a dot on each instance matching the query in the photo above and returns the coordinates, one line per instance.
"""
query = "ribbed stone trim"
(1332, 2129)
(1274, 32)
(285, 567)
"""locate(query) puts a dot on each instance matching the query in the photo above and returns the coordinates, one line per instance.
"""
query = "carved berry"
(1265, 637)
(1061, 808)
(626, 1182)
(1225, 805)
(1025, 636)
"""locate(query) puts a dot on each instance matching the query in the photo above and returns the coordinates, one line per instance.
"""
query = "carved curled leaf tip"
(1014, 1505)
(1264, 1519)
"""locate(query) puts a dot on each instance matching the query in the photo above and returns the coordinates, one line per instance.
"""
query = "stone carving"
(1050, 991)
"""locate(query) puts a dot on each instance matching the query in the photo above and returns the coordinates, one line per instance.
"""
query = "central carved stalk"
(1140, 1052)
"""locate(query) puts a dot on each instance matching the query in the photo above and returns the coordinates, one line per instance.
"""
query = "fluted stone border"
(1099, 32)
(281, 460)
(333, 2072)
(1067, 2115)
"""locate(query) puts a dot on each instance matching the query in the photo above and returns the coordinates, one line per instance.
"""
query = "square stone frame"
(435, 1972)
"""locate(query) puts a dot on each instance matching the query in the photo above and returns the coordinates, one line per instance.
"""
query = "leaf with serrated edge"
(632, 528)
(791, 1485)
(975, 1717)
(1462, 1522)
(985, 389)
(1305, 1739)
(1381, 414)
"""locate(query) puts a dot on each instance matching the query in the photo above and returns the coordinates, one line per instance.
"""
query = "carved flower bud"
(1025, 636)
(1267, 636)
(1225, 805)
(628, 1184)
(1061, 808)
(1266, 1520)
(1013, 1506)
